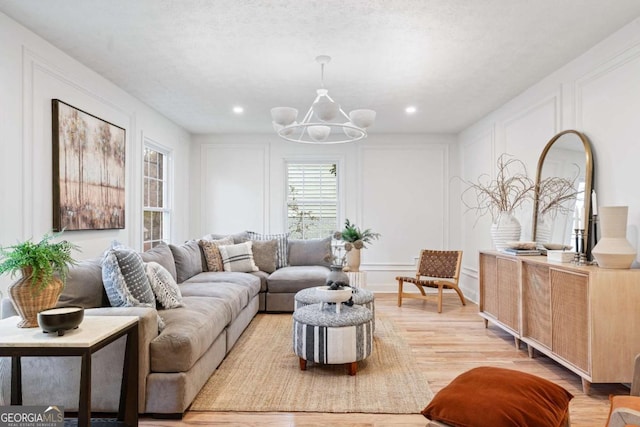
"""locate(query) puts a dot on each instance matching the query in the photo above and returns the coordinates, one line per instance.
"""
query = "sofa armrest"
(147, 331)
(7, 309)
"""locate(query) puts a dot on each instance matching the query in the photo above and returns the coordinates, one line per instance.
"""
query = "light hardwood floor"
(444, 346)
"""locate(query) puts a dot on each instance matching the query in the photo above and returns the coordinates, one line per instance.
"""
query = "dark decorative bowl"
(59, 320)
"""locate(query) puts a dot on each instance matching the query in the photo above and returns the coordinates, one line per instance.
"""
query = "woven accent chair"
(436, 269)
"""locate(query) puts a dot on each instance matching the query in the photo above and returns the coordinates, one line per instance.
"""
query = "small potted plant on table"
(43, 266)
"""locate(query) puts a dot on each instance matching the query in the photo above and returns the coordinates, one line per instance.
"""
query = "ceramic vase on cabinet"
(505, 228)
(613, 250)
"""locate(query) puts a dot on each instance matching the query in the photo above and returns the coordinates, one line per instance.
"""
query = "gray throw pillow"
(310, 252)
(238, 257)
(124, 278)
(282, 245)
(163, 285)
(84, 287)
(265, 254)
(163, 256)
(188, 260)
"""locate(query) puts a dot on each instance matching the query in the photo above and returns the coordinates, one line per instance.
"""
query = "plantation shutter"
(312, 200)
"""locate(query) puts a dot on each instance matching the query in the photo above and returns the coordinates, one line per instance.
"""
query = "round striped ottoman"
(321, 335)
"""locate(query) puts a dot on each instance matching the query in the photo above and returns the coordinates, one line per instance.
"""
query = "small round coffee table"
(361, 297)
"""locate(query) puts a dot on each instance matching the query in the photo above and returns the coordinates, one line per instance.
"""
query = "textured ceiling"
(193, 60)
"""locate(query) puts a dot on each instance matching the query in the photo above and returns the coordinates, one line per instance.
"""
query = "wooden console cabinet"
(584, 317)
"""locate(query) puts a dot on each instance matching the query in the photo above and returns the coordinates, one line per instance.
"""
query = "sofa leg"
(303, 364)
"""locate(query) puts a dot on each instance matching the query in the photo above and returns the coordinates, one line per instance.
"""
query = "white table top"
(91, 331)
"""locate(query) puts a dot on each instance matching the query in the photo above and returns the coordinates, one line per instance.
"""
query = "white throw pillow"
(238, 258)
(164, 287)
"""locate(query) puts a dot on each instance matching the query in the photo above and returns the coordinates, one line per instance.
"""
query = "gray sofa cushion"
(236, 297)
(310, 252)
(124, 278)
(84, 285)
(163, 256)
(188, 260)
(263, 276)
(294, 279)
(189, 332)
(249, 280)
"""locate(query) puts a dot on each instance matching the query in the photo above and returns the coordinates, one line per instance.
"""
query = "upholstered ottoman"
(360, 296)
(323, 336)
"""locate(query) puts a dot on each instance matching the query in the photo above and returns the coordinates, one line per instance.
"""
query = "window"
(312, 199)
(156, 212)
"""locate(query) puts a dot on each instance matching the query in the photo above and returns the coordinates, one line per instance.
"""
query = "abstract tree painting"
(88, 171)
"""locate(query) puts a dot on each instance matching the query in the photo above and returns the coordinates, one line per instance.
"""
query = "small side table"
(94, 333)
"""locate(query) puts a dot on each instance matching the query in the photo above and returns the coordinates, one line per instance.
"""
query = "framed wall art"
(88, 170)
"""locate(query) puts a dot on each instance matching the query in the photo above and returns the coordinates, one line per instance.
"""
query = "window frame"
(167, 194)
(339, 186)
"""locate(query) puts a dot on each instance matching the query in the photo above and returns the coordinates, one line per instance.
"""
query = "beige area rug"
(262, 374)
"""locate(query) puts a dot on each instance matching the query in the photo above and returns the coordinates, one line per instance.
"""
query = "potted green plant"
(355, 239)
(43, 266)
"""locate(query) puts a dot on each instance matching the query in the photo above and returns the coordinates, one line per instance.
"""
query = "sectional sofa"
(179, 348)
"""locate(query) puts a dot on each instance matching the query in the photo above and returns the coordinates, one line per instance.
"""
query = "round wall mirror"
(562, 201)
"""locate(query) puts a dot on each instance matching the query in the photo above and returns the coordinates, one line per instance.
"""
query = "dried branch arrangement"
(509, 190)
(554, 195)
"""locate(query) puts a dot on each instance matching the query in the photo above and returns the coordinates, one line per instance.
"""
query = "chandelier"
(324, 122)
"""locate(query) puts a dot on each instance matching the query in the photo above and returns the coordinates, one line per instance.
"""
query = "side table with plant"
(43, 266)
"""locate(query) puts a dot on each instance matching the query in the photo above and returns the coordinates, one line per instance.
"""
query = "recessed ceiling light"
(238, 110)
(410, 110)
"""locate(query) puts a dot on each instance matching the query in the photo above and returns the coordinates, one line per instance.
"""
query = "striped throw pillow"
(238, 257)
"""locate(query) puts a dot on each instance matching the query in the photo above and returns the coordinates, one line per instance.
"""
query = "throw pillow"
(282, 245)
(310, 252)
(163, 256)
(188, 260)
(238, 258)
(497, 397)
(163, 285)
(265, 255)
(237, 237)
(212, 253)
(124, 278)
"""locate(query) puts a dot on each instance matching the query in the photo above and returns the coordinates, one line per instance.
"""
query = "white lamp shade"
(351, 133)
(325, 110)
(286, 132)
(362, 118)
(319, 133)
(284, 116)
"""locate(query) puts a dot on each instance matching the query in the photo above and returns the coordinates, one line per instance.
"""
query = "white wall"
(598, 94)
(32, 72)
(397, 185)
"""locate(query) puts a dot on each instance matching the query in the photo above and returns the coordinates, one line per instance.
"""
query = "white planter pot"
(505, 229)
(353, 260)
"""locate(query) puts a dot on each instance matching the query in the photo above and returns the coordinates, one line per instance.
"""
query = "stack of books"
(513, 251)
